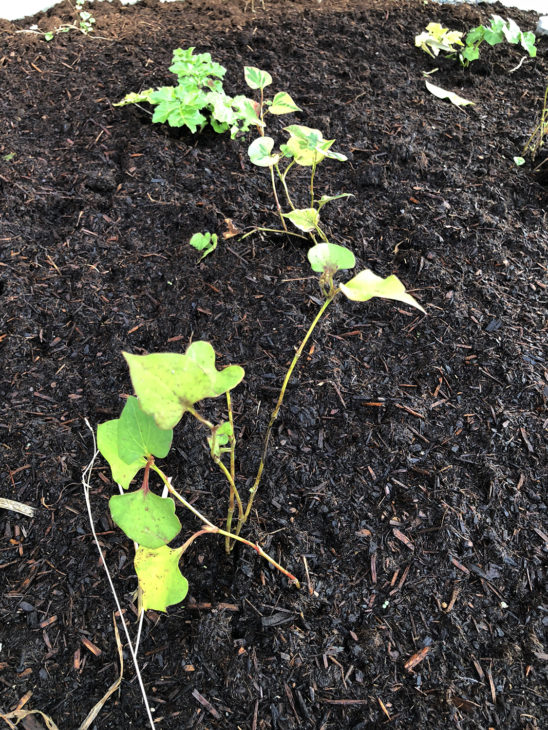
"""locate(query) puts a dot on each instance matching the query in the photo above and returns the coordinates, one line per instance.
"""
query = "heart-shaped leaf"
(145, 517)
(366, 285)
(330, 256)
(107, 443)
(308, 147)
(167, 384)
(255, 78)
(139, 436)
(305, 219)
(161, 582)
(282, 103)
(259, 152)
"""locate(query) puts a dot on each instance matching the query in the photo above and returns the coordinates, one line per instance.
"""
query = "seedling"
(167, 386)
(306, 147)
(205, 242)
(437, 38)
(84, 24)
(198, 99)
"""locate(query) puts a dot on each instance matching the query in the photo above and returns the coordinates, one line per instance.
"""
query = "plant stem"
(312, 183)
(233, 494)
(199, 417)
(282, 177)
(261, 552)
(181, 499)
(233, 490)
(184, 547)
(321, 234)
(272, 230)
(211, 528)
(278, 206)
(298, 353)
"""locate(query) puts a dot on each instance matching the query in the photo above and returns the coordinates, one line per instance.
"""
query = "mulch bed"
(404, 486)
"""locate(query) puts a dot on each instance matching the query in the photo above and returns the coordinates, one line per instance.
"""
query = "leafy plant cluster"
(438, 39)
(167, 385)
(305, 147)
(198, 99)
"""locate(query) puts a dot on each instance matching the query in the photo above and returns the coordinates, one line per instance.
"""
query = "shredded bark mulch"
(405, 482)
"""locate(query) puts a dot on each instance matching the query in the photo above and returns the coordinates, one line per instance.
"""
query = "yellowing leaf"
(167, 384)
(443, 94)
(366, 285)
(160, 579)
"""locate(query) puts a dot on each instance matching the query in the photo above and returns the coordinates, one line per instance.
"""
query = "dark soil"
(407, 464)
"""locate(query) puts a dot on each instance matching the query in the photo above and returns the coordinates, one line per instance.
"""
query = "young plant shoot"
(204, 242)
(306, 147)
(436, 38)
(167, 386)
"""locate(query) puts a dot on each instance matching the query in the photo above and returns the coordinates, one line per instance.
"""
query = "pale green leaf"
(107, 443)
(139, 436)
(308, 147)
(305, 219)
(161, 582)
(331, 257)
(329, 198)
(135, 98)
(366, 285)
(282, 103)
(205, 242)
(259, 152)
(145, 517)
(223, 435)
(167, 384)
(255, 78)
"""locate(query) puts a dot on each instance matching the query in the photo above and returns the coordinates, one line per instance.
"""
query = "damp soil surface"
(404, 482)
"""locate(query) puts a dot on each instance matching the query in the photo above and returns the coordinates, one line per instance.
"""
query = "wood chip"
(91, 646)
(525, 438)
(460, 566)
(403, 538)
(416, 658)
(491, 686)
(205, 703)
(409, 410)
(383, 708)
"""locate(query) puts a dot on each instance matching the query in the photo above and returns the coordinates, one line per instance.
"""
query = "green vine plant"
(436, 38)
(169, 385)
(305, 147)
